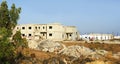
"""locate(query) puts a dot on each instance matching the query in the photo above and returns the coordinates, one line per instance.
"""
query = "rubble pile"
(76, 51)
(71, 54)
(49, 46)
(33, 44)
(45, 45)
(97, 54)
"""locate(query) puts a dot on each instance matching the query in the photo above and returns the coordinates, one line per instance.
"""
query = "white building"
(92, 37)
(54, 31)
(116, 37)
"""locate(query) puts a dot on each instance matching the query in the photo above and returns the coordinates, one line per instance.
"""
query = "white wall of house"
(116, 37)
(97, 37)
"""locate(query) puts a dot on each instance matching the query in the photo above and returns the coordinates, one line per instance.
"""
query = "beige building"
(53, 31)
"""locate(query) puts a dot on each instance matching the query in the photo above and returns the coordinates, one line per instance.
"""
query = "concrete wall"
(26, 30)
(71, 33)
(54, 31)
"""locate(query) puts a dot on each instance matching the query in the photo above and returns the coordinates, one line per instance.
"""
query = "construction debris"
(71, 54)
(33, 44)
(59, 48)
(76, 51)
(49, 46)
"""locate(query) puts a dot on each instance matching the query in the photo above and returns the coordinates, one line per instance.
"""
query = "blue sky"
(97, 16)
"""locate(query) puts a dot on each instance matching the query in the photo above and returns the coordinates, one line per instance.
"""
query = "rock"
(59, 48)
(45, 45)
(97, 54)
(45, 49)
(76, 51)
(49, 46)
(101, 52)
(33, 44)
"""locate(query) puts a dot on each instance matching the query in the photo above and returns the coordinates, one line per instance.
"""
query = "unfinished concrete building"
(53, 31)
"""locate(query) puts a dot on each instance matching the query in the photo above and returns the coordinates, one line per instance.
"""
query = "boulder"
(76, 51)
(49, 46)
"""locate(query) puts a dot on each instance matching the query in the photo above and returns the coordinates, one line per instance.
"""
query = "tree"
(8, 21)
(19, 44)
(4, 15)
(6, 48)
(8, 18)
(18, 40)
(14, 15)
